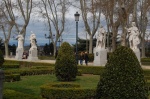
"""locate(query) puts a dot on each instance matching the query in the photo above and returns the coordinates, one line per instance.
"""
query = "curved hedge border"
(12, 77)
(6, 66)
(12, 94)
(95, 70)
(66, 90)
(31, 71)
(28, 63)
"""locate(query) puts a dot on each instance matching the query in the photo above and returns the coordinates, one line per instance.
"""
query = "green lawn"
(31, 84)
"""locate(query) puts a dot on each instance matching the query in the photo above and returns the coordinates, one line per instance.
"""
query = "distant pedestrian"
(86, 58)
(25, 55)
(81, 57)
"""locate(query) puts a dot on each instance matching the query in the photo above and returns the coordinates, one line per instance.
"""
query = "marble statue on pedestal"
(100, 52)
(33, 50)
(133, 33)
(19, 50)
(101, 37)
(134, 39)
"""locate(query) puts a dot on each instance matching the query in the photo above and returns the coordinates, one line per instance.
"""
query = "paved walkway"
(53, 61)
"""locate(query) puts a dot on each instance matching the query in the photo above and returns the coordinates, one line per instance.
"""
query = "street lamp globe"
(76, 16)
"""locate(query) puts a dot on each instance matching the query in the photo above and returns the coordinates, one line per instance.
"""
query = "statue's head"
(133, 24)
(101, 26)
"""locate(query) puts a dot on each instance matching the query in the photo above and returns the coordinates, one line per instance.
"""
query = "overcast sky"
(69, 35)
(39, 28)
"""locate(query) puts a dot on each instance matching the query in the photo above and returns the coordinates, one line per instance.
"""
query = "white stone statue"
(20, 39)
(33, 53)
(33, 40)
(101, 38)
(19, 50)
(133, 33)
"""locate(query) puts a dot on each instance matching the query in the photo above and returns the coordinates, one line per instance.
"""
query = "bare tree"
(116, 13)
(7, 21)
(144, 6)
(25, 8)
(54, 12)
(91, 17)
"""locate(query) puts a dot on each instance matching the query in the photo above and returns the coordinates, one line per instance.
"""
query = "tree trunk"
(114, 38)
(91, 44)
(123, 36)
(143, 47)
(6, 50)
(55, 48)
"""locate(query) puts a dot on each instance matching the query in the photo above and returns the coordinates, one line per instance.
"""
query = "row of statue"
(133, 33)
(20, 54)
(20, 39)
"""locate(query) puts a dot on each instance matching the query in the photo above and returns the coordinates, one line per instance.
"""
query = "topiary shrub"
(65, 66)
(122, 78)
(1, 59)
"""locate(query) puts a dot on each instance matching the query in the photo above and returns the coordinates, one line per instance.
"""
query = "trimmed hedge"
(27, 63)
(66, 90)
(12, 77)
(145, 59)
(31, 71)
(6, 66)
(95, 70)
(66, 66)
(12, 94)
(123, 77)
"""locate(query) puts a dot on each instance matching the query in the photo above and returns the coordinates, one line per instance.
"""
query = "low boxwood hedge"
(12, 94)
(24, 72)
(28, 63)
(145, 61)
(95, 70)
(6, 66)
(12, 77)
(66, 90)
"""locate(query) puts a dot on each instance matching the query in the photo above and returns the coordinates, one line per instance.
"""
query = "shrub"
(95, 70)
(66, 90)
(123, 77)
(1, 59)
(12, 94)
(7, 66)
(65, 66)
(12, 77)
(25, 72)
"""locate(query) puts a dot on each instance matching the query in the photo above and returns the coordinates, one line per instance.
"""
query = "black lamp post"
(77, 19)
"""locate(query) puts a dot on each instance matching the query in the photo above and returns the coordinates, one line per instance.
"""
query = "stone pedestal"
(19, 53)
(33, 54)
(137, 53)
(100, 57)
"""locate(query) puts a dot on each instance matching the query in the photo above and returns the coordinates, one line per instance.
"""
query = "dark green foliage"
(12, 94)
(94, 70)
(66, 90)
(65, 66)
(1, 59)
(12, 77)
(123, 77)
